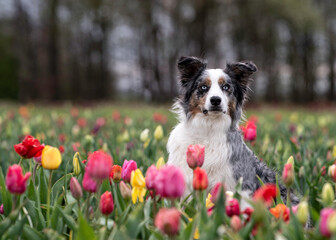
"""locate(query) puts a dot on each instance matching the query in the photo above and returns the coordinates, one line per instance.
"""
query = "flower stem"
(48, 197)
(106, 219)
(87, 206)
(20, 161)
(34, 173)
(288, 198)
(79, 209)
(14, 202)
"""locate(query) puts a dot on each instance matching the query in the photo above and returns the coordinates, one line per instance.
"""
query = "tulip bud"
(2, 211)
(75, 188)
(302, 212)
(334, 152)
(168, 221)
(160, 163)
(51, 158)
(16, 183)
(144, 135)
(291, 160)
(327, 195)
(115, 173)
(195, 156)
(232, 207)
(332, 172)
(75, 163)
(301, 171)
(158, 133)
(324, 216)
(125, 190)
(106, 203)
(288, 174)
(331, 222)
(200, 181)
(235, 223)
(228, 195)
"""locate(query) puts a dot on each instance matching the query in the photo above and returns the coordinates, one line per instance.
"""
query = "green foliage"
(306, 136)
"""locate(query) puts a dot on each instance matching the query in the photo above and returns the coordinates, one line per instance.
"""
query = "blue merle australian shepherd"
(209, 110)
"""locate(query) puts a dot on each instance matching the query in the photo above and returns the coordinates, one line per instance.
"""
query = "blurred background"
(79, 50)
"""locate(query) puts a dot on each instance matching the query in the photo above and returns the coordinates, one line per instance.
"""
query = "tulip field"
(100, 172)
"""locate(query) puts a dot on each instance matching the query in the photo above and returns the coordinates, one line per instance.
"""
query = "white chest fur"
(209, 131)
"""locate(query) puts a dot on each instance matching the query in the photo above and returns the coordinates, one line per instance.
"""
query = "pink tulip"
(170, 182)
(195, 156)
(236, 223)
(125, 190)
(106, 203)
(2, 211)
(89, 184)
(288, 174)
(151, 175)
(127, 168)
(15, 181)
(168, 221)
(99, 165)
(325, 213)
(232, 207)
(75, 188)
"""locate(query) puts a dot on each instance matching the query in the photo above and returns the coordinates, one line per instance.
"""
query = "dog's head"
(213, 92)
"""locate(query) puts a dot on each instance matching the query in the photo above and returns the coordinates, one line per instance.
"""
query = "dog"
(209, 111)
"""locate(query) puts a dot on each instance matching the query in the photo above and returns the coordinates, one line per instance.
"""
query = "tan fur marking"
(221, 81)
(232, 107)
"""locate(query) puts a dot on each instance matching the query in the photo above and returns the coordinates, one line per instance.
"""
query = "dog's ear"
(241, 71)
(189, 68)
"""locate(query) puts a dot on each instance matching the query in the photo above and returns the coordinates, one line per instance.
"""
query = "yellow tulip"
(51, 157)
(75, 163)
(302, 212)
(144, 135)
(160, 163)
(334, 152)
(331, 222)
(158, 133)
(138, 186)
(327, 194)
(208, 203)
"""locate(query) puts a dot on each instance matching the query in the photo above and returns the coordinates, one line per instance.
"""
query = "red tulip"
(89, 184)
(29, 147)
(168, 221)
(106, 203)
(266, 194)
(99, 165)
(61, 148)
(325, 213)
(170, 182)
(159, 118)
(75, 188)
(127, 168)
(200, 181)
(216, 190)
(232, 207)
(115, 173)
(195, 156)
(250, 131)
(151, 175)
(15, 181)
(282, 211)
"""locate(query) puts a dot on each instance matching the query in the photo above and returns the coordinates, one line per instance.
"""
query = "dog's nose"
(215, 100)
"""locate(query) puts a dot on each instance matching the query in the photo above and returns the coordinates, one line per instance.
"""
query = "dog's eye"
(226, 87)
(204, 87)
